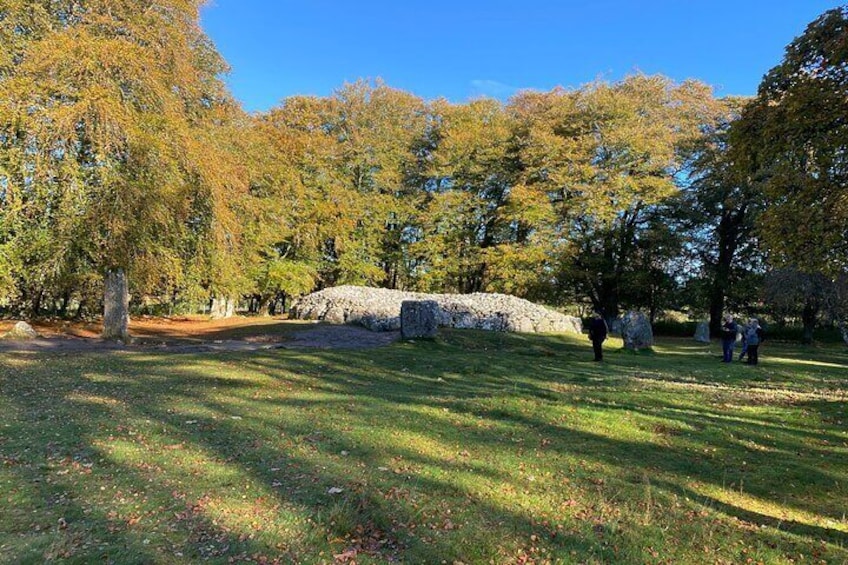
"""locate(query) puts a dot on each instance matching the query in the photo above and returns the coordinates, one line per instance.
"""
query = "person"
(754, 337)
(598, 333)
(743, 332)
(728, 338)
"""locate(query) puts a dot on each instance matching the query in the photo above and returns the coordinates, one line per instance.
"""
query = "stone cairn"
(379, 309)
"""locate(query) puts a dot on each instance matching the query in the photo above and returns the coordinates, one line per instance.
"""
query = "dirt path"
(198, 336)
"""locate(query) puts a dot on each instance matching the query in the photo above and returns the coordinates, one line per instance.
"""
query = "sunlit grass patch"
(476, 448)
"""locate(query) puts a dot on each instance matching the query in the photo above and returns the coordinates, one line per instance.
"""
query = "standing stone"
(615, 326)
(702, 332)
(222, 308)
(116, 306)
(636, 331)
(419, 319)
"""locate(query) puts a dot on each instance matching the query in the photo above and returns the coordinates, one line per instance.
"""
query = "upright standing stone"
(702, 332)
(636, 331)
(222, 307)
(615, 326)
(116, 306)
(419, 319)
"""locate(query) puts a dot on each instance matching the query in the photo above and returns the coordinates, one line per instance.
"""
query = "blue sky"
(462, 49)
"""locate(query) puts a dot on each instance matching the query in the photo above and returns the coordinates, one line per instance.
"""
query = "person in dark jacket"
(754, 337)
(598, 333)
(728, 338)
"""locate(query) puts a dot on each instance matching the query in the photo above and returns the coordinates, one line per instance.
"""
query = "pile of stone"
(379, 309)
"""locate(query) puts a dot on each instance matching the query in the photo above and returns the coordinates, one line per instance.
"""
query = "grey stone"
(615, 326)
(636, 331)
(222, 308)
(702, 332)
(21, 330)
(116, 306)
(379, 309)
(419, 319)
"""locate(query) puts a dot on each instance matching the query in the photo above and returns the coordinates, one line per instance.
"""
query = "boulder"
(636, 331)
(615, 326)
(419, 319)
(379, 309)
(702, 332)
(21, 330)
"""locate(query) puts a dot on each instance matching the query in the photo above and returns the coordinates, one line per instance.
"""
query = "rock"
(222, 308)
(379, 309)
(636, 331)
(21, 330)
(116, 306)
(615, 326)
(702, 332)
(419, 319)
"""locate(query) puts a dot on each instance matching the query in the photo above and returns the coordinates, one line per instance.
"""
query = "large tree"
(720, 208)
(345, 165)
(610, 155)
(470, 180)
(110, 114)
(792, 140)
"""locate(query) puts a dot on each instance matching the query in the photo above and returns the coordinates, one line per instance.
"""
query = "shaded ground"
(196, 334)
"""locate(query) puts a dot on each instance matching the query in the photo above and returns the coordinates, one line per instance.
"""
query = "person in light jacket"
(753, 337)
(743, 334)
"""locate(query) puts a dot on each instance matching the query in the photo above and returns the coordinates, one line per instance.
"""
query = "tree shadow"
(286, 443)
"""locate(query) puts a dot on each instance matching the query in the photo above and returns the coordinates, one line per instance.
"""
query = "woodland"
(123, 156)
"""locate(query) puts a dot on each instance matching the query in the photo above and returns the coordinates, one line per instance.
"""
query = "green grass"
(476, 448)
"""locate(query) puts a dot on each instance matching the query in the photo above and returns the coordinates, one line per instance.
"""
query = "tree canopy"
(122, 150)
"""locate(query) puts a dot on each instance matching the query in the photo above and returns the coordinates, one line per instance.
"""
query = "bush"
(774, 332)
(671, 328)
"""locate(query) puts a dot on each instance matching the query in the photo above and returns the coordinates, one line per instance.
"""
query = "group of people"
(752, 337)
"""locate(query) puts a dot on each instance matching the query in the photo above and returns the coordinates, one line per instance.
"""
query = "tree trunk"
(729, 232)
(36, 302)
(808, 318)
(116, 304)
(80, 309)
(63, 309)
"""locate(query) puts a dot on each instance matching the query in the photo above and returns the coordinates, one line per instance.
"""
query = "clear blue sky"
(461, 49)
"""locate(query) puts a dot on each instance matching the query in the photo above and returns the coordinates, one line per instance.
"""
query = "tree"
(109, 113)
(470, 181)
(349, 159)
(792, 293)
(792, 140)
(720, 207)
(609, 157)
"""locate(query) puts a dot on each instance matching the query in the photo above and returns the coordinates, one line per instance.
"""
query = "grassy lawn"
(477, 448)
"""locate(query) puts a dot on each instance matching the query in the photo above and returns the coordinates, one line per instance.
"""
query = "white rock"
(21, 330)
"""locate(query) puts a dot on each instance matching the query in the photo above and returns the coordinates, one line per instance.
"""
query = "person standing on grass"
(744, 333)
(728, 338)
(598, 333)
(754, 337)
